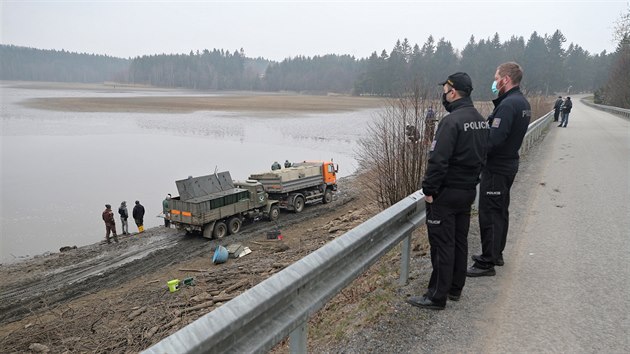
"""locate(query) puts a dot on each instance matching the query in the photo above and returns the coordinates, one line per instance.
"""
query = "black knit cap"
(459, 81)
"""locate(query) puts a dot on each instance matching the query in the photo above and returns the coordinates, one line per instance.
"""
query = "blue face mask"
(495, 90)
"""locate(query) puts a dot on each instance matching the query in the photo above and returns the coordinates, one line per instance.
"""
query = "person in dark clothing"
(110, 223)
(275, 166)
(566, 109)
(556, 108)
(124, 215)
(287, 164)
(508, 124)
(456, 157)
(166, 209)
(138, 216)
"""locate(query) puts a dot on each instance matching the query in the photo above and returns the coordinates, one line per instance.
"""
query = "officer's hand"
(428, 198)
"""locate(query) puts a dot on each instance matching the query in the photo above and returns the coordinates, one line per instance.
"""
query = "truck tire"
(234, 225)
(220, 230)
(274, 213)
(328, 197)
(298, 204)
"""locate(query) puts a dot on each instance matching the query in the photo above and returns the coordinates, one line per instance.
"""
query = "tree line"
(548, 66)
(30, 64)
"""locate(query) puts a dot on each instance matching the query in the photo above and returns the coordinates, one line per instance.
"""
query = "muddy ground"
(114, 298)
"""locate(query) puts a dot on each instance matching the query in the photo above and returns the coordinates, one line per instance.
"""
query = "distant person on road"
(566, 109)
(456, 157)
(287, 164)
(138, 216)
(110, 223)
(166, 209)
(556, 108)
(275, 166)
(508, 125)
(124, 215)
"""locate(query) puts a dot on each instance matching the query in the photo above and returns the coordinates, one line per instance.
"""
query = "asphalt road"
(565, 286)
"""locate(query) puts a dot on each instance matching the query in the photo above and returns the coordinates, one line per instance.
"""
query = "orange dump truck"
(303, 183)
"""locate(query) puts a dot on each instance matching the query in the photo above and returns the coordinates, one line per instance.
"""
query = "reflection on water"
(59, 169)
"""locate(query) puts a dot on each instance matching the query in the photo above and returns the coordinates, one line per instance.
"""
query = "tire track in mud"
(158, 247)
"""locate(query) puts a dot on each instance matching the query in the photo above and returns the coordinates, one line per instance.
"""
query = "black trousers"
(556, 114)
(494, 217)
(448, 221)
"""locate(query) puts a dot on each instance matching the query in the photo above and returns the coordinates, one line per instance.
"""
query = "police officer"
(508, 125)
(456, 157)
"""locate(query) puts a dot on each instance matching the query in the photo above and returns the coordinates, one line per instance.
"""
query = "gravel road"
(565, 286)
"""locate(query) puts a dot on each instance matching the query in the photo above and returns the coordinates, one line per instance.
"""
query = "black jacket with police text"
(458, 151)
(508, 125)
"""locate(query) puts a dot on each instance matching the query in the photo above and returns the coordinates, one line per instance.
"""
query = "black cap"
(459, 81)
(108, 206)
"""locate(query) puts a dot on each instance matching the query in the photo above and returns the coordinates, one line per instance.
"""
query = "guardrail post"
(404, 259)
(298, 338)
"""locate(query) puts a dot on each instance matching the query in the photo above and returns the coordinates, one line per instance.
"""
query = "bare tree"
(392, 156)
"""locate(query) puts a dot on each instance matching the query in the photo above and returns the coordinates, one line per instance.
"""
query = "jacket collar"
(462, 102)
(498, 100)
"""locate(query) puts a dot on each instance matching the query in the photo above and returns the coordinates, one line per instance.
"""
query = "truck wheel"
(220, 230)
(274, 213)
(327, 196)
(298, 204)
(234, 225)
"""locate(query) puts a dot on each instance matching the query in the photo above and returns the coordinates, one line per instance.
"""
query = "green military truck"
(217, 206)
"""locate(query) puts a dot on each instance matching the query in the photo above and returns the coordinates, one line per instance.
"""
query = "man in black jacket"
(138, 216)
(566, 109)
(456, 157)
(508, 125)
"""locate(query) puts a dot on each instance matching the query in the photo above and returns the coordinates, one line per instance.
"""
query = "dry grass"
(186, 104)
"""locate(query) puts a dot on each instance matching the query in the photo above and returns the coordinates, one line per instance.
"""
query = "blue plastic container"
(220, 255)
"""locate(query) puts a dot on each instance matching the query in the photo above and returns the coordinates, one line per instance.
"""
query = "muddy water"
(59, 169)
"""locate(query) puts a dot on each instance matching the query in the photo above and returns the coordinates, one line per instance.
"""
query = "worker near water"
(275, 166)
(456, 157)
(124, 215)
(508, 124)
(138, 216)
(110, 223)
(166, 209)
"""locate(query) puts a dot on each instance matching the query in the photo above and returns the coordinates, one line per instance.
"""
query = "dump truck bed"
(290, 179)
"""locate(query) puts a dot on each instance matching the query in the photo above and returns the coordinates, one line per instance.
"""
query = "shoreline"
(187, 100)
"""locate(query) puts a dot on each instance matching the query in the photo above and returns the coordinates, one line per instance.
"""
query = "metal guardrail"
(281, 305)
(610, 109)
(535, 130)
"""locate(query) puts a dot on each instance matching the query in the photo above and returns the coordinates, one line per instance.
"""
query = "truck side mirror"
(336, 168)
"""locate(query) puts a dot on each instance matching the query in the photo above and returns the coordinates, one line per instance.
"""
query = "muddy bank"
(184, 104)
(103, 298)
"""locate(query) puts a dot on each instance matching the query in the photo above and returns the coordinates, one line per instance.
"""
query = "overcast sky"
(280, 29)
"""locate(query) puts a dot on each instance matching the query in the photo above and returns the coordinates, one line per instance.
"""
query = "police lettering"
(476, 125)
(493, 193)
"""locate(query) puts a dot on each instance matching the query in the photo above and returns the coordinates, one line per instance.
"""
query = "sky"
(279, 29)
